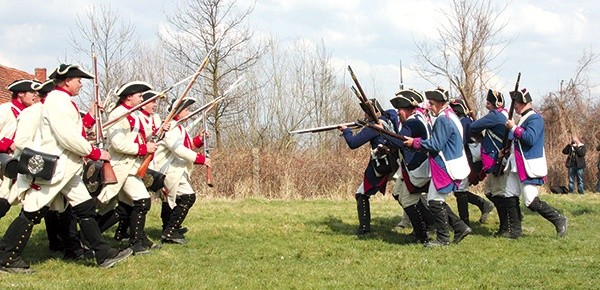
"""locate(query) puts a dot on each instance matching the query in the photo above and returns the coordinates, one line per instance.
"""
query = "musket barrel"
(325, 128)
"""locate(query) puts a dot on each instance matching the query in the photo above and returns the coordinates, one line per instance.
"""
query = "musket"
(212, 103)
(206, 107)
(470, 112)
(325, 128)
(505, 142)
(144, 167)
(380, 130)
(150, 100)
(367, 105)
(401, 80)
(108, 174)
(206, 152)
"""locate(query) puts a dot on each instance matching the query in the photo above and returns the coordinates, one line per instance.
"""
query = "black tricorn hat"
(183, 105)
(44, 88)
(149, 94)
(438, 94)
(22, 86)
(131, 88)
(407, 99)
(459, 107)
(522, 96)
(65, 71)
(495, 98)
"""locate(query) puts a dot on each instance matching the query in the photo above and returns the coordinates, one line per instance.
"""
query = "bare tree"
(197, 26)
(114, 41)
(570, 111)
(467, 44)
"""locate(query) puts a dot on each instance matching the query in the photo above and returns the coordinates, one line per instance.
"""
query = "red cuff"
(142, 150)
(417, 143)
(199, 159)
(519, 132)
(5, 144)
(88, 120)
(95, 154)
(198, 142)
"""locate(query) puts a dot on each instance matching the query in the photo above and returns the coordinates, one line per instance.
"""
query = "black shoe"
(461, 235)
(17, 267)
(561, 227)
(117, 257)
(182, 230)
(150, 245)
(140, 249)
(175, 238)
(488, 207)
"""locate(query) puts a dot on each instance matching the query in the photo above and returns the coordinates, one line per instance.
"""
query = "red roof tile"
(8, 75)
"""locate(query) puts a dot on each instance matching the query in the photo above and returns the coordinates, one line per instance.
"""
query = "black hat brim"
(22, 86)
(436, 95)
(64, 71)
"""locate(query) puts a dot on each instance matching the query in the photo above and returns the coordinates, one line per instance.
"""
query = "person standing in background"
(575, 152)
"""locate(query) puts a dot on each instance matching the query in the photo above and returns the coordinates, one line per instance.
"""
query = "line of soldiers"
(439, 154)
(42, 129)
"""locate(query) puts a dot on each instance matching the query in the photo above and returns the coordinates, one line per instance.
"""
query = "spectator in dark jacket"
(575, 152)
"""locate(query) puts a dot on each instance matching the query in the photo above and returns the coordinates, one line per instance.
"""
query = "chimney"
(40, 74)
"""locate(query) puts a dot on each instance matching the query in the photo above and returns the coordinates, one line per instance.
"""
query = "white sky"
(549, 36)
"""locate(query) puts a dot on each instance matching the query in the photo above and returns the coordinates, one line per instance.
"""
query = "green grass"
(310, 244)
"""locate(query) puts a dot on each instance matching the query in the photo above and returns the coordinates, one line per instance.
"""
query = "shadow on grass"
(382, 228)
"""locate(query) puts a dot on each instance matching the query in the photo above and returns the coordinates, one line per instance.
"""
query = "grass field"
(310, 244)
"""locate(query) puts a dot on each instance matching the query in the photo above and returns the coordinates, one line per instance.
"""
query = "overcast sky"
(549, 36)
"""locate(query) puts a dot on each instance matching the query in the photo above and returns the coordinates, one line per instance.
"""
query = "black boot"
(138, 241)
(165, 214)
(364, 214)
(500, 204)
(429, 218)
(14, 241)
(68, 232)
(461, 229)
(418, 222)
(442, 226)
(105, 255)
(514, 223)
(171, 234)
(107, 220)
(462, 204)
(4, 207)
(484, 206)
(52, 221)
(123, 212)
(546, 211)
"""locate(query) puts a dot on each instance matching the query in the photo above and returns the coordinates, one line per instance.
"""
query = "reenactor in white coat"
(128, 146)
(60, 134)
(175, 158)
(151, 123)
(23, 96)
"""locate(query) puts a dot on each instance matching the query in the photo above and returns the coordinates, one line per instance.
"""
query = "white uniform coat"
(174, 159)
(60, 133)
(124, 142)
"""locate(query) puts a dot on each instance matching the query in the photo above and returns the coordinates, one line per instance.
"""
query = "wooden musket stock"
(325, 128)
(370, 110)
(505, 142)
(209, 177)
(144, 167)
(108, 174)
(381, 130)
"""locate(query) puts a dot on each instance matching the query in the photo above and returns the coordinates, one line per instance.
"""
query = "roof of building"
(7, 76)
